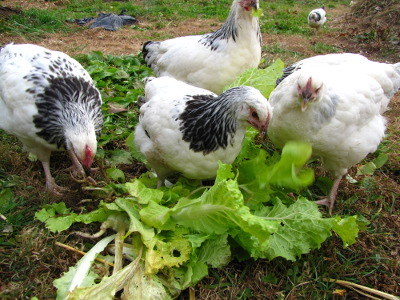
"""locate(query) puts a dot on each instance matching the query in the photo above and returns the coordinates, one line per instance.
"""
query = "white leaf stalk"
(86, 262)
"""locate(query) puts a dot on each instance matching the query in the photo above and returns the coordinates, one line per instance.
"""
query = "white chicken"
(334, 102)
(186, 130)
(214, 60)
(49, 102)
(317, 18)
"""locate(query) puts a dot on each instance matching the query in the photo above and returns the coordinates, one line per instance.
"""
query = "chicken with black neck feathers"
(186, 130)
(213, 60)
(49, 102)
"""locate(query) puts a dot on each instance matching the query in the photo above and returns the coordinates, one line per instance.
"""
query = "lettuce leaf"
(262, 79)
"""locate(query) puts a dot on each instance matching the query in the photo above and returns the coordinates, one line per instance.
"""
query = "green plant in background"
(120, 80)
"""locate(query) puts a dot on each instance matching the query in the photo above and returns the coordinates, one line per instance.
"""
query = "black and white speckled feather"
(212, 60)
(317, 17)
(187, 130)
(208, 122)
(67, 102)
(48, 100)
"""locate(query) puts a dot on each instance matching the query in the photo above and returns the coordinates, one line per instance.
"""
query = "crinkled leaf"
(115, 174)
(167, 252)
(213, 212)
(157, 216)
(119, 157)
(215, 251)
(57, 217)
(145, 287)
(142, 193)
(136, 225)
(262, 79)
(347, 229)
(60, 223)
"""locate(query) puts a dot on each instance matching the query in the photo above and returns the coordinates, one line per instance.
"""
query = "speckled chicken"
(335, 102)
(186, 130)
(317, 18)
(49, 102)
(214, 60)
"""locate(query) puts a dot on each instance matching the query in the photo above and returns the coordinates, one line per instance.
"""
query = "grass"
(29, 260)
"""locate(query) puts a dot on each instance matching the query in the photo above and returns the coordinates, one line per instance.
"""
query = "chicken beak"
(254, 4)
(264, 129)
(304, 104)
(306, 94)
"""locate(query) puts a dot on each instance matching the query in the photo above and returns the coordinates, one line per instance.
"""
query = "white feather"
(344, 123)
(192, 59)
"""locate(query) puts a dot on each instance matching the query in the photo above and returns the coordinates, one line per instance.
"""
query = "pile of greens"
(166, 239)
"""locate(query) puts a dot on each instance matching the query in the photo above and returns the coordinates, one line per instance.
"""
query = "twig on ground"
(357, 287)
(83, 253)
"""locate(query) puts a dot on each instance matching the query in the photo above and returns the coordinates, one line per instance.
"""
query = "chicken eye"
(254, 114)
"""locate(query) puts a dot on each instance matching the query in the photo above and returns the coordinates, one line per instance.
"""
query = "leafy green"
(370, 167)
(175, 234)
(185, 235)
(262, 79)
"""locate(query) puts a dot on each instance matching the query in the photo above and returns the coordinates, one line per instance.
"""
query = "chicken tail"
(145, 50)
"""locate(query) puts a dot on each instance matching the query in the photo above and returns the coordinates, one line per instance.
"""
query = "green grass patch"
(322, 48)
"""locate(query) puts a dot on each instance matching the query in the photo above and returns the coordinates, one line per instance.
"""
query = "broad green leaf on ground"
(136, 226)
(301, 229)
(262, 79)
(58, 217)
(347, 229)
(115, 174)
(215, 251)
(118, 157)
(143, 194)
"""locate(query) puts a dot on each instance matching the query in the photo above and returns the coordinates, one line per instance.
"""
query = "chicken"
(186, 130)
(317, 18)
(49, 102)
(335, 102)
(214, 60)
